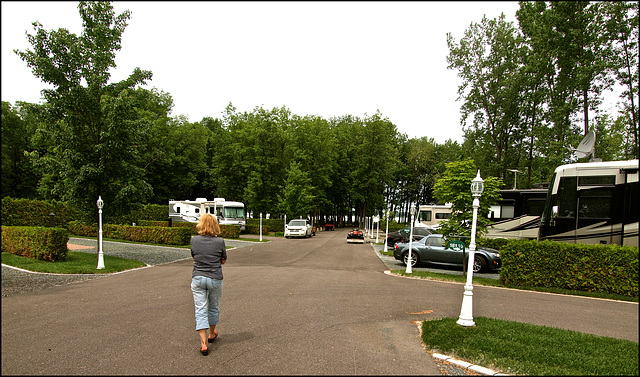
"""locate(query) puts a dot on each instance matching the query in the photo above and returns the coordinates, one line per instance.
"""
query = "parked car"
(298, 228)
(402, 235)
(431, 249)
(328, 226)
(355, 236)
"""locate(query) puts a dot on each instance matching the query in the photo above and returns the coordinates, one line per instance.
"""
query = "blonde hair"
(208, 225)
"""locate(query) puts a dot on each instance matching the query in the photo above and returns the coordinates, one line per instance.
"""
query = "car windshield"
(297, 223)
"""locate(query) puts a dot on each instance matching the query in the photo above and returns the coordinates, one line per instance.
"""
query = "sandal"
(204, 352)
(216, 335)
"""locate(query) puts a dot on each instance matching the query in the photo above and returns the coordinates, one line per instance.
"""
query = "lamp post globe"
(466, 312)
(100, 204)
(412, 210)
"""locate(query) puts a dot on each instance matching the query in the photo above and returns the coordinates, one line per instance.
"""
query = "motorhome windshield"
(231, 212)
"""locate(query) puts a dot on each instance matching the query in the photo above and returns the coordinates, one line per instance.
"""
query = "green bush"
(47, 244)
(255, 229)
(580, 267)
(230, 231)
(28, 212)
(152, 234)
(274, 225)
(77, 228)
(152, 223)
(494, 243)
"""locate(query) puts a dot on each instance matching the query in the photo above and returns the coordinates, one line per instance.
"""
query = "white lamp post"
(260, 226)
(386, 235)
(466, 312)
(410, 259)
(100, 204)
(515, 177)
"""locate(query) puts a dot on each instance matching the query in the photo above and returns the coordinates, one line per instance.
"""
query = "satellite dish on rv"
(586, 146)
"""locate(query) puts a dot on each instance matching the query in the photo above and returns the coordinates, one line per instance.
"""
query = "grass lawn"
(524, 349)
(76, 263)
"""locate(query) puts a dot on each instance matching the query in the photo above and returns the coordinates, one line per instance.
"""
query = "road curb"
(466, 365)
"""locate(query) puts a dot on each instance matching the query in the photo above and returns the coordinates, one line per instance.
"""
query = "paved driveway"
(290, 306)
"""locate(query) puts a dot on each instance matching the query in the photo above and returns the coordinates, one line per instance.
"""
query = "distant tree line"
(528, 94)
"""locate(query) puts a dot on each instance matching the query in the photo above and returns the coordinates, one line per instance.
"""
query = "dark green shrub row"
(230, 231)
(273, 225)
(152, 223)
(47, 244)
(255, 229)
(579, 267)
(28, 212)
(152, 234)
(494, 243)
(77, 228)
(227, 231)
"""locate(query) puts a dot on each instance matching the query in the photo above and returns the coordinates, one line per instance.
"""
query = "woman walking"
(209, 254)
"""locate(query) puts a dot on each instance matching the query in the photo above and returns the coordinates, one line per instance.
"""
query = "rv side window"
(597, 180)
(197, 210)
(508, 212)
(567, 197)
(534, 207)
(177, 209)
(425, 216)
(595, 203)
(442, 216)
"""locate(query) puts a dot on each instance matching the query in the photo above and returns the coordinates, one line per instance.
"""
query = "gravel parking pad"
(17, 281)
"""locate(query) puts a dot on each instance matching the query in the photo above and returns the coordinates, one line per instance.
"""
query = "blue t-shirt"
(207, 253)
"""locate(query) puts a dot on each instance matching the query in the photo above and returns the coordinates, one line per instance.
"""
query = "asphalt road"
(289, 306)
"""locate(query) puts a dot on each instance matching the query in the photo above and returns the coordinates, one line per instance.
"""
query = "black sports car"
(431, 249)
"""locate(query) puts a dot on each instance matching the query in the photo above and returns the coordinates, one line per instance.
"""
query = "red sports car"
(355, 236)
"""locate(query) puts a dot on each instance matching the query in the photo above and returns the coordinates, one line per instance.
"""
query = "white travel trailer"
(430, 215)
(227, 212)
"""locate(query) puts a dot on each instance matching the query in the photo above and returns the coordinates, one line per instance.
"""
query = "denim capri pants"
(206, 297)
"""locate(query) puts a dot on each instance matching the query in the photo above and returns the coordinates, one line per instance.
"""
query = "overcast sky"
(315, 58)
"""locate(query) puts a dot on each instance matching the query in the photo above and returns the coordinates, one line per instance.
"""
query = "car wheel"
(479, 264)
(415, 259)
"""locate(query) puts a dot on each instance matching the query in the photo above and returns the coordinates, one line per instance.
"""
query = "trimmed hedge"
(153, 234)
(272, 225)
(28, 212)
(494, 243)
(79, 229)
(47, 244)
(579, 267)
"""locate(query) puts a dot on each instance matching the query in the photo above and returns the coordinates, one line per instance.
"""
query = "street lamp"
(466, 312)
(100, 204)
(386, 235)
(260, 226)
(410, 259)
(515, 177)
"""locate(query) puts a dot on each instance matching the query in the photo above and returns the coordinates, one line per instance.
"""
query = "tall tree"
(488, 59)
(297, 199)
(455, 187)
(92, 124)
(19, 176)
(621, 29)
